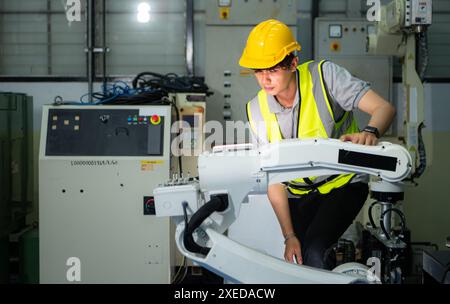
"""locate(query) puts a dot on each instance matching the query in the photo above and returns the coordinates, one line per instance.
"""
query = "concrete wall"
(427, 206)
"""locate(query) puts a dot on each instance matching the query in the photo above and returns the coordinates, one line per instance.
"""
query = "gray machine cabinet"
(95, 203)
(343, 41)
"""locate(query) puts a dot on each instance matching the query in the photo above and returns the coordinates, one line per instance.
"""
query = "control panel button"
(155, 120)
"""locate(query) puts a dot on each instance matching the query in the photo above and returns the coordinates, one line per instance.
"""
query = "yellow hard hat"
(267, 45)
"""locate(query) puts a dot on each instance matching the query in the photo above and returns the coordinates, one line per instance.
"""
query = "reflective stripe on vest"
(315, 120)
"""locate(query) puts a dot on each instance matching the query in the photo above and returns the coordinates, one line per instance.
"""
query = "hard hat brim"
(270, 61)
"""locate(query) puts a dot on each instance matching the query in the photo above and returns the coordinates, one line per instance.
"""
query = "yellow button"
(66, 122)
(224, 13)
(76, 128)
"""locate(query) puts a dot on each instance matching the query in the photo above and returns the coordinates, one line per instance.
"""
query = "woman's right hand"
(293, 248)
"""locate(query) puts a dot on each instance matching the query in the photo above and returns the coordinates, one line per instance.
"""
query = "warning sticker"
(148, 165)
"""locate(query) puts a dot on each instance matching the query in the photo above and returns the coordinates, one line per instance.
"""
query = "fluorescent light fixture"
(143, 15)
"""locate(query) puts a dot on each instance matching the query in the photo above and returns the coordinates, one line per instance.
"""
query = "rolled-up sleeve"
(344, 89)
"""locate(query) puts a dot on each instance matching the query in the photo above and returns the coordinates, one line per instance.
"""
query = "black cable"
(140, 75)
(177, 114)
(422, 155)
(423, 54)
(155, 97)
(170, 83)
(217, 203)
(372, 222)
(185, 205)
(402, 220)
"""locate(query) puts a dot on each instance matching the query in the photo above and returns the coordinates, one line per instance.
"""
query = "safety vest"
(315, 120)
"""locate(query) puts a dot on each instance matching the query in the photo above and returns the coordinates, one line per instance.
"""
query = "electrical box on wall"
(344, 42)
(418, 12)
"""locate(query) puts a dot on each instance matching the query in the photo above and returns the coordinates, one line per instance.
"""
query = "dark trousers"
(320, 219)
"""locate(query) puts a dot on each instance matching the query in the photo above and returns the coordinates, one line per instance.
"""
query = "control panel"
(108, 132)
(418, 12)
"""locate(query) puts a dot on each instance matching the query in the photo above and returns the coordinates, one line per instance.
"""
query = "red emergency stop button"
(155, 120)
(335, 47)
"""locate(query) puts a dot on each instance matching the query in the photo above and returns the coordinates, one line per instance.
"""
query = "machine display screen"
(103, 132)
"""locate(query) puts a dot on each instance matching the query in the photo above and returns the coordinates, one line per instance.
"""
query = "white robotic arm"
(228, 174)
(402, 32)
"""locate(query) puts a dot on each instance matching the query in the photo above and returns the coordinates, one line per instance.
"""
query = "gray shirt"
(344, 90)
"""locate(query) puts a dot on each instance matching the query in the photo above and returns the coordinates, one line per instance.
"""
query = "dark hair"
(285, 63)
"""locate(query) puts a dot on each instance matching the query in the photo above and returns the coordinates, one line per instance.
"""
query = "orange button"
(335, 46)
